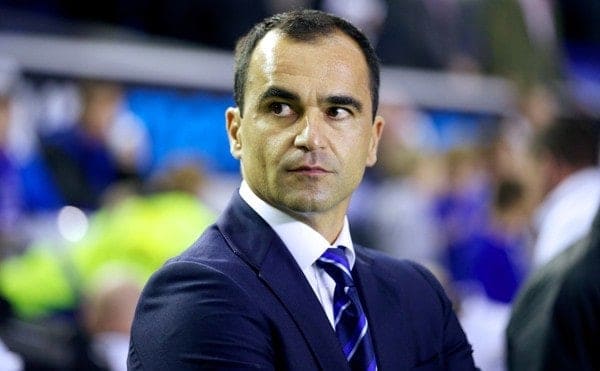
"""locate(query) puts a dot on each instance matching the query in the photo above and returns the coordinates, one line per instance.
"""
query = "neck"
(329, 226)
(327, 221)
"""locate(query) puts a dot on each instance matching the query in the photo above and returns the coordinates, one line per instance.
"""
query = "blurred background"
(114, 156)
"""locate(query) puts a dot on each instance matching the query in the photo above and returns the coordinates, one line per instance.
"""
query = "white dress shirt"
(9, 361)
(567, 213)
(305, 244)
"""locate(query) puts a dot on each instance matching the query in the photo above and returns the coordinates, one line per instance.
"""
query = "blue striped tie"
(349, 318)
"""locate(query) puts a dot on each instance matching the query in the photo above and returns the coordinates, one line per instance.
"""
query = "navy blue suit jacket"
(236, 299)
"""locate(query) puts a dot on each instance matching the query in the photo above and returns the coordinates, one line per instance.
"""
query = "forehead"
(327, 63)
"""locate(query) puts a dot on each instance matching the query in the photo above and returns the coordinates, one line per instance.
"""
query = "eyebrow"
(344, 100)
(338, 100)
(276, 92)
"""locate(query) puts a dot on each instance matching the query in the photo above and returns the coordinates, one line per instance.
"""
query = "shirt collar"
(584, 180)
(304, 243)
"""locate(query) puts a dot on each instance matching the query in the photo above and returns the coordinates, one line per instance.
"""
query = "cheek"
(273, 142)
(264, 149)
(359, 147)
(354, 154)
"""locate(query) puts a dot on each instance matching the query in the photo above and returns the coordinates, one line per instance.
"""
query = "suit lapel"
(286, 280)
(389, 329)
(255, 242)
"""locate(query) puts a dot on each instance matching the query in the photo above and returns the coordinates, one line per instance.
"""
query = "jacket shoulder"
(193, 312)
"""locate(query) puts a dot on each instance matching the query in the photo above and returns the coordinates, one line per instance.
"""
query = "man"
(554, 322)
(80, 162)
(567, 153)
(277, 283)
(574, 326)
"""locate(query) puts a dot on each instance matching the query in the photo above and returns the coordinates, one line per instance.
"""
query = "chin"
(307, 203)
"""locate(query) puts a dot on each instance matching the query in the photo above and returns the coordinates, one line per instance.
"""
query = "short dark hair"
(303, 25)
(574, 141)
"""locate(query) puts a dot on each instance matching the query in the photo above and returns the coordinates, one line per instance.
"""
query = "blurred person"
(510, 155)
(575, 316)
(184, 172)
(257, 290)
(462, 207)
(148, 230)
(433, 34)
(496, 258)
(555, 322)
(482, 217)
(402, 222)
(140, 224)
(108, 314)
(78, 162)
(499, 250)
(567, 161)
(523, 42)
(179, 173)
(46, 282)
(45, 343)
(515, 39)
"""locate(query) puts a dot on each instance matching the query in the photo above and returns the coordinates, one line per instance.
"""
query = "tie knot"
(335, 263)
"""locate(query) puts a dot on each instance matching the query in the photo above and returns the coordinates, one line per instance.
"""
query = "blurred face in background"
(307, 132)
(101, 103)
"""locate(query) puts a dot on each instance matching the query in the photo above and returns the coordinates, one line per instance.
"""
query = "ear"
(233, 123)
(376, 130)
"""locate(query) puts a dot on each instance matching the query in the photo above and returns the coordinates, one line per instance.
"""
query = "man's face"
(307, 132)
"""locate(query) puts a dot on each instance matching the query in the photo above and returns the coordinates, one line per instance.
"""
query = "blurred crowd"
(87, 213)
(84, 224)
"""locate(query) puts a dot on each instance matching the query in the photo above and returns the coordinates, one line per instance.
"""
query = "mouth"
(310, 170)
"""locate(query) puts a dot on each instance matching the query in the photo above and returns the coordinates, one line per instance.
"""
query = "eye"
(338, 113)
(281, 109)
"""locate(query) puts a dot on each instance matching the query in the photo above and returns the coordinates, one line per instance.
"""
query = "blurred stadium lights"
(126, 61)
(451, 91)
(72, 223)
(164, 64)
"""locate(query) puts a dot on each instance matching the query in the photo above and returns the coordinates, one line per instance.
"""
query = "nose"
(311, 136)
